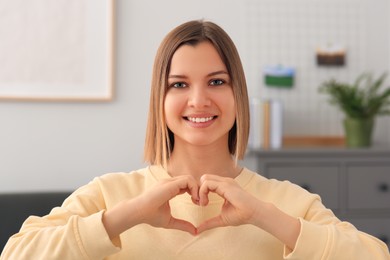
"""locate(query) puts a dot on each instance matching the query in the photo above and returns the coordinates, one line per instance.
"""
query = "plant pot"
(358, 132)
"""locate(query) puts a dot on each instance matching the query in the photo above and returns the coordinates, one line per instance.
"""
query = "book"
(266, 128)
(276, 124)
(255, 130)
(266, 124)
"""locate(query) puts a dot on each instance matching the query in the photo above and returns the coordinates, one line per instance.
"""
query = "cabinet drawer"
(377, 227)
(368, 187)
(322, 180)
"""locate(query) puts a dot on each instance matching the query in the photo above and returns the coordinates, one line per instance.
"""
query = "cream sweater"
(75, 230)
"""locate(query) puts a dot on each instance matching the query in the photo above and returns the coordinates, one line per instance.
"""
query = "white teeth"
(200, 119)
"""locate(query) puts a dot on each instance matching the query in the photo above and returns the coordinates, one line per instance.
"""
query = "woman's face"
(199, 104)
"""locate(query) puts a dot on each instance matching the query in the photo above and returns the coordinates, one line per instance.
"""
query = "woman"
(194, 201)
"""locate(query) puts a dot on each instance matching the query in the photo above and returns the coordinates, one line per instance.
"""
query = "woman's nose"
(199, 97)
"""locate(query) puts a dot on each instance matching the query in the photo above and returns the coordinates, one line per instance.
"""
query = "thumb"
(182, 225)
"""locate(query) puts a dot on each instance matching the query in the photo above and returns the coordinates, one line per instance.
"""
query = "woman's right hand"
(152, 207)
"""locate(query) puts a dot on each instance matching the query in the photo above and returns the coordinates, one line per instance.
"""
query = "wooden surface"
(313, 141)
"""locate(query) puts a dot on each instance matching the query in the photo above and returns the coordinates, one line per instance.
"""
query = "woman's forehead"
(201, 58)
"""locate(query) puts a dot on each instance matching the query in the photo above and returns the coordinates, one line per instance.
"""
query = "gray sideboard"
(354, 183)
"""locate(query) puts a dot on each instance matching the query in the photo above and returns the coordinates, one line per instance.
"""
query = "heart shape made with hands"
(236, 210)
(201, 198)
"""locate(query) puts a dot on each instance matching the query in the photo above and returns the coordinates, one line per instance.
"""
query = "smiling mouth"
(200, 119)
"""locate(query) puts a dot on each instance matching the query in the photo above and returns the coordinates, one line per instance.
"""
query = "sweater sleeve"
(323, 236)
(73, 231)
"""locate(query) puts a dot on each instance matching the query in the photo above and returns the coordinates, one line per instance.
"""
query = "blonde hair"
(159, 140)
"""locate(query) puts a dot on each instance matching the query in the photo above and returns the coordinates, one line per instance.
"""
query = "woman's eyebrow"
(177, 76)
(218, 72)
(208, 75)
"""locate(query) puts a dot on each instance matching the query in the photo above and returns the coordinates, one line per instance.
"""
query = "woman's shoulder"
(135, 180)
(147, 175)
(266, 183)
(124, 176)
(110, 188)
(281, 192)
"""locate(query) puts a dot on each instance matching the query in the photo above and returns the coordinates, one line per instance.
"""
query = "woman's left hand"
(240, 207)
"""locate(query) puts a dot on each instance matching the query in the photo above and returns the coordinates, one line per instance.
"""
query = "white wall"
(288, 33)
(51, 146)
(61, 146)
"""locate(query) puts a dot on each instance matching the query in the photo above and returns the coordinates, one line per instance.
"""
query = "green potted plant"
(361, 102)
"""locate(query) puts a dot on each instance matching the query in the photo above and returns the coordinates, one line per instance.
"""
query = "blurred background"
(61, 145)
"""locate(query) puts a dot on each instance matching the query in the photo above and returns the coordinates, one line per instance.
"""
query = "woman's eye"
(217, 82)
(178, 85)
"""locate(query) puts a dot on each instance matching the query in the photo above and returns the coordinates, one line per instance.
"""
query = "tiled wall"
(287, 32)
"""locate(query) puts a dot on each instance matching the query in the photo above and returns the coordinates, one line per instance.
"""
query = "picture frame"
(59, 50)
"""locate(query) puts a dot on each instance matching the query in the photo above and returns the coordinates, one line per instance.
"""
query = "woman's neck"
(199, 161)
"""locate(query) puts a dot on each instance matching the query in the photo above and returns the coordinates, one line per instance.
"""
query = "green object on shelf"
(279, 76)
(358, 132)
(361, 102)
(279, 81)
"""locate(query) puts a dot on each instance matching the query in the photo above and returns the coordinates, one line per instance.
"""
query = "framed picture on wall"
(58, 50)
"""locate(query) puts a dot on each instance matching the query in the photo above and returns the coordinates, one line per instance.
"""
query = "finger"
(225, 187)
(210, 224)
(182, 225)
(184, 184)
(206, 187)
(193, 189)
(190, 185)
(204, 190)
